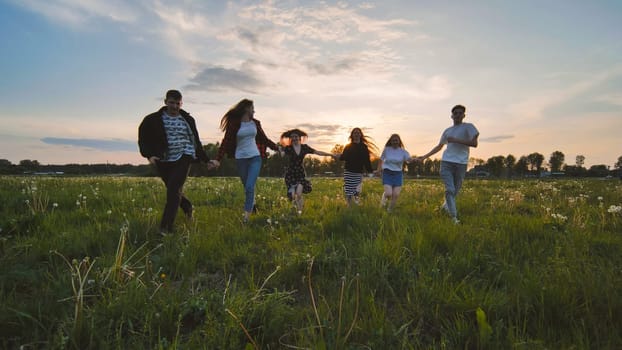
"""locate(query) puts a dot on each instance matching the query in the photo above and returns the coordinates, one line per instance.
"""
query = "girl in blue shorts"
(391, 165)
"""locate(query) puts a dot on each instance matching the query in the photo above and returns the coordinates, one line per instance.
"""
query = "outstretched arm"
(323, 154)
(432, 151)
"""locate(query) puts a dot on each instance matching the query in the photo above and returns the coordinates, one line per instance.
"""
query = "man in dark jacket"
(170, 141)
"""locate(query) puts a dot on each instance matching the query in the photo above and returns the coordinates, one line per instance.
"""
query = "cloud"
(335, 67)
(325, 22)
(496, 139)
(544, 102)
(323, 135)
(319, 130)
(98, 144)
(78, 13)
(225, 79)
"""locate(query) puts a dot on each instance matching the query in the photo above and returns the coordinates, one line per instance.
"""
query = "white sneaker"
(455, 220)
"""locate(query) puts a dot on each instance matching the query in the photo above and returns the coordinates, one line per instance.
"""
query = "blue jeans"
(452, 175)
(248, 169)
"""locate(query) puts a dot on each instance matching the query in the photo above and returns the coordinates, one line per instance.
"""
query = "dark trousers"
(174, 175)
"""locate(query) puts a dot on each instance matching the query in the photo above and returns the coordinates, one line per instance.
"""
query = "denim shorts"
(392, 178)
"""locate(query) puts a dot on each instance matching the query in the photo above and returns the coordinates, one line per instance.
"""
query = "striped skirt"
(352, 183)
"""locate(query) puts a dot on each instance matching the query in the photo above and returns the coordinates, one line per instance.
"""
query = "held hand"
(153, 159)
(210, 166)
(214, 163)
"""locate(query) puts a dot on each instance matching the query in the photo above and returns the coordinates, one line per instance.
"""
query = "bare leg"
(299, 201)
(386, 195)
(396, 193)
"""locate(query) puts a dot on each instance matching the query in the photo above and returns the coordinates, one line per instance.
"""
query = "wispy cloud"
(496, 139)
(317, 131)
(224, 79)
(77, 13)
(98, 144)
(535, 107)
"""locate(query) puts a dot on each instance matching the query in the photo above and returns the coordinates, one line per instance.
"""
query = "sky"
(78, 76)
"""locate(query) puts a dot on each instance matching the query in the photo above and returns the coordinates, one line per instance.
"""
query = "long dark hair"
(388, 144)
(286, 136)
(367, 141)
(233, 117)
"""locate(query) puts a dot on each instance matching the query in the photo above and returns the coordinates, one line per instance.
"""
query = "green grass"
(534, 265)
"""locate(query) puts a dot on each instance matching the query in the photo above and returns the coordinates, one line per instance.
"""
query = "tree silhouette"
(521, 166)
(495, 165)
(579, 161)
(556, 161)
(535, 161)
(510, 162)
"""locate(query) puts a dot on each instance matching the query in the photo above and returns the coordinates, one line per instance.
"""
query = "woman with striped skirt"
(356, 155)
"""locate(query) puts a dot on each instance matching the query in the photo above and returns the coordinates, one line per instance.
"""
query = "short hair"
(458, 107)
(173, 95)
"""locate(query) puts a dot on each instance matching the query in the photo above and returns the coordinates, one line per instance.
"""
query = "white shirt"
(179, 136)
(246, 146)
(393, 158)
(457, 152)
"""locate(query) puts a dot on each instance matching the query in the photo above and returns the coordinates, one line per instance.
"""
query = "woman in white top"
(391, 165)
(245, 141)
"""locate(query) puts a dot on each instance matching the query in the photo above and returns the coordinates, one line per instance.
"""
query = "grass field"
(534, 265)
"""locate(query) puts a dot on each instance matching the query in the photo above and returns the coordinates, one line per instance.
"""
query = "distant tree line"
(532, 165)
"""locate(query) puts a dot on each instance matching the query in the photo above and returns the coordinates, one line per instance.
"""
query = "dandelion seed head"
(615, 209)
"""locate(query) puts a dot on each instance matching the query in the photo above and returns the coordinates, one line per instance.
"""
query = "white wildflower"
(615, 209)
(559, 217)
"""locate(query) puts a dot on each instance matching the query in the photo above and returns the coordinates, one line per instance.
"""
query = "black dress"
(294, 171)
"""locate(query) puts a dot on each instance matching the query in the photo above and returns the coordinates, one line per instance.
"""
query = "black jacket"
(356, 156)
(152, 136)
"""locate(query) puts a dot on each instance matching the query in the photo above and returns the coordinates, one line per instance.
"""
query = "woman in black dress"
(295, 178)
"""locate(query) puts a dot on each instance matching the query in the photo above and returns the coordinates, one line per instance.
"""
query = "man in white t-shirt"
(458, 139)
